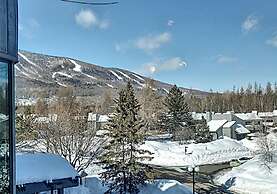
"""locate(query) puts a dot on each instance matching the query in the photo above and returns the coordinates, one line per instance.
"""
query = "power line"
(90, 3)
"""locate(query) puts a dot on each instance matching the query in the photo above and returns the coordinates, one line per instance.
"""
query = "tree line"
(253, 97)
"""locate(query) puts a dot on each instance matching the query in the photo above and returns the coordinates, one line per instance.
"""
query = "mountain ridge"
(37, 72)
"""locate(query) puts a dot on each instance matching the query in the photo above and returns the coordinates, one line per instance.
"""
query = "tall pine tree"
(202, 133)
(178, 119)
(122, 157)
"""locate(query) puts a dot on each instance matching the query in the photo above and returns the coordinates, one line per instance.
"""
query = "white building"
(227, 124)
(269, 118)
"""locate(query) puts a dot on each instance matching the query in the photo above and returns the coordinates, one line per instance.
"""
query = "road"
(203, 179)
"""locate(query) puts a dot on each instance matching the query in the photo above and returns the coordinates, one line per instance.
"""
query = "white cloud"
(172, 64)
(152, 42)
(118, 47)
(170, 22)
(150, 68)
(272, 41)
(28, 28)
(222, 59)
(104, 24)
(250, 23)
(122, 47)
(33, 23)
(87, 18)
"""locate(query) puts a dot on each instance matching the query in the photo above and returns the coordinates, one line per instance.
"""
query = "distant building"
(216, 128)
(269, 118)
(97, 121)
(227, 124)
(251, 120)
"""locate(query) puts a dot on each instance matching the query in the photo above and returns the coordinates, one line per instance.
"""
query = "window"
(4, 129)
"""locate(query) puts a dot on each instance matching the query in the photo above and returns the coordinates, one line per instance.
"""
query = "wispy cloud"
(171, 64)
(170, 22)
(272, 41)
(250, 23)
(123, 46)
(28, 28)
(87, 18)
(152, 42)
(222, 59)
(33, 23)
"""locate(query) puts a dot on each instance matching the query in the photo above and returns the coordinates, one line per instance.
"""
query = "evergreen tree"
(202, 133)
(178, 119)
(151, 106)
(122, 157)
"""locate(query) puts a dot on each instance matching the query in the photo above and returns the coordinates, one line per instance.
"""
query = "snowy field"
(93, 185)
(170, 153)
(252, 178)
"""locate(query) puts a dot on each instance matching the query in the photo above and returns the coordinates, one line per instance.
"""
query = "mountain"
(37, 72)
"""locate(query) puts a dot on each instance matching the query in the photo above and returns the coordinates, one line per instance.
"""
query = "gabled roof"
(229, 124)
(198, 116)
(248, 116)
(214, 125)
(241, 129)
(268, 114)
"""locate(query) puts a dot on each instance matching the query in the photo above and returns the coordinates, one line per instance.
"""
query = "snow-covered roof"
(159, 137)
(46, 119)
(98, 117)
(248, 116)
(229, 124)
(266, 114)
(39, 167)
(214, 125)
(241, 129)
(103, 118)
(275, 112)
(198, 116)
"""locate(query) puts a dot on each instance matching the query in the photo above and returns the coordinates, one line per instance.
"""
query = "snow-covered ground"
(253, 145)
(93, 185)
(252, 177)
(170, 153)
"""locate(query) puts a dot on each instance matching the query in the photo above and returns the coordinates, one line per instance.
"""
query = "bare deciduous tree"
(65, 133)
(266, 150)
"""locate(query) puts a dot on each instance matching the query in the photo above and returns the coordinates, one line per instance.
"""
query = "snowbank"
(38, 167)
(253, 144)
(252, 177)
(93, 185)
(173, 154)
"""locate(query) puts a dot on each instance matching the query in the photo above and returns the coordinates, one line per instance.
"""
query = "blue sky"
(203, 44)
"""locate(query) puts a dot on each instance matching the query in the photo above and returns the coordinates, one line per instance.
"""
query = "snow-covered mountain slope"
(37, 72)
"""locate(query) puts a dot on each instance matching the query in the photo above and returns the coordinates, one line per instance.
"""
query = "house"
(97, 121)
(216, 128)
(227, 124)
(269, 118)
(41, 172)
(252, 121)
